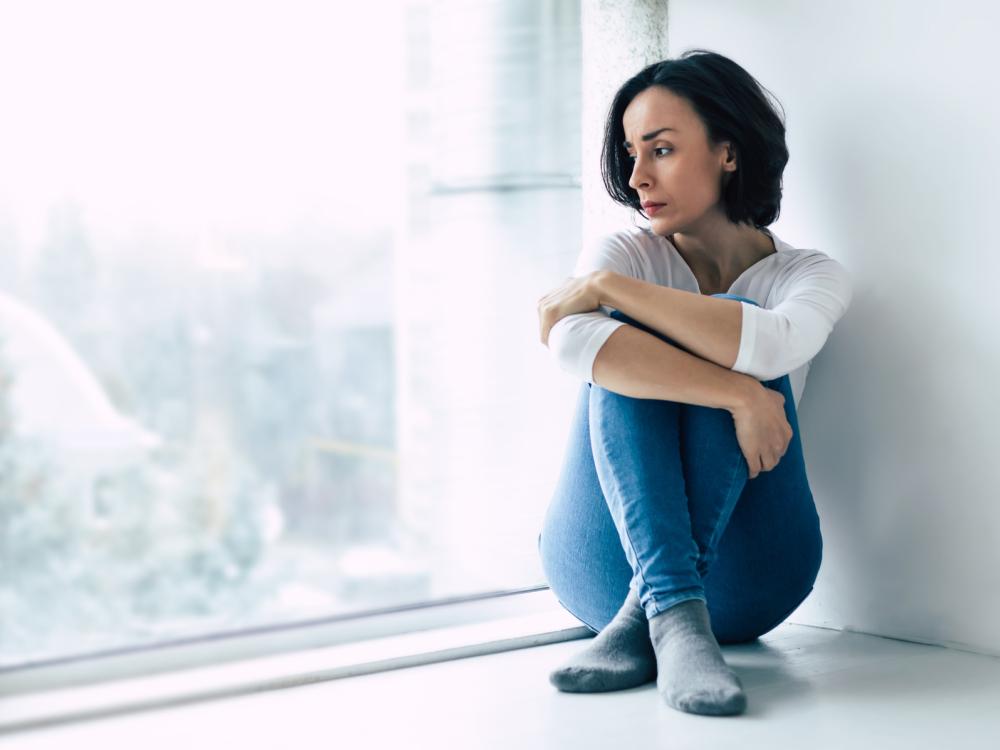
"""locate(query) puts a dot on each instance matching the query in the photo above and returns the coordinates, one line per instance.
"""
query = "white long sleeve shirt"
(802, 294)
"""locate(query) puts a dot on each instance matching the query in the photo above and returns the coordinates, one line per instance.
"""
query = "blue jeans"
(656, 495)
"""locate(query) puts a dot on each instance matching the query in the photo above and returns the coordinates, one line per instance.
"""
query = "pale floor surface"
(806, 687)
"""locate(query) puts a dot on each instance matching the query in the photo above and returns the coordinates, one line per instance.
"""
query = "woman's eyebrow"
(649, 136)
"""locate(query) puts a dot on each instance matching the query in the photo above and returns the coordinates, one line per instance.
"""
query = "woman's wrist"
(602, 283)
(744, 391)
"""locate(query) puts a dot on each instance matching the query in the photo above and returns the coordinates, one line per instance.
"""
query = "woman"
(684, 491)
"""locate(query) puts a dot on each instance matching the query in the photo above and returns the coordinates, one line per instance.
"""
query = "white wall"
(892, 118)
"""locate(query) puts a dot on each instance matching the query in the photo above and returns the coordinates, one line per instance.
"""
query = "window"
(268, 274)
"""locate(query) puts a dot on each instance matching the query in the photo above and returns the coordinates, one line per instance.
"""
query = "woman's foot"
(692, 675)
(620, 656)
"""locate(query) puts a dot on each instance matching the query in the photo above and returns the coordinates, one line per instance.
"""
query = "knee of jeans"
(619, 315)
(736, 296)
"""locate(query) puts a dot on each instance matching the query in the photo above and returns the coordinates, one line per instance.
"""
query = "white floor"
(807, 687)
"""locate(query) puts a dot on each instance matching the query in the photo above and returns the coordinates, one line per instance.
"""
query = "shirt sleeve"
(777, 341)
(575, 340)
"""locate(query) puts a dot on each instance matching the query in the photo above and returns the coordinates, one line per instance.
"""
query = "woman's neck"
(724, 256)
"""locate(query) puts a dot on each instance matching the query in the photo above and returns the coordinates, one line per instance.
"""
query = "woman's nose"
(639, 177)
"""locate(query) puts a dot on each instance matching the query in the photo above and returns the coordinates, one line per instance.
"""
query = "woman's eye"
(661, 148)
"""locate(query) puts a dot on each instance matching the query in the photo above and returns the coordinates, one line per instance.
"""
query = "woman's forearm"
(709, 327)
(638, 364)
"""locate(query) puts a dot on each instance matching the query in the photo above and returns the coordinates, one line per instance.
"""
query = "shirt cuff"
(748, 338)
(576, 339)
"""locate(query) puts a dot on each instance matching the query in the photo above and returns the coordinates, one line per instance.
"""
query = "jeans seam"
(714, 539)
(638, 563)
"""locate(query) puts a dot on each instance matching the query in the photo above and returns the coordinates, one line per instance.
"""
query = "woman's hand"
(576, 295)
(762, 429)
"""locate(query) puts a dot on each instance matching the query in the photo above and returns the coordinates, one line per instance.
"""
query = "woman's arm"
(638, 364)
(709, 327)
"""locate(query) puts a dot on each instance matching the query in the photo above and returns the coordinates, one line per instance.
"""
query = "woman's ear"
(730, 165)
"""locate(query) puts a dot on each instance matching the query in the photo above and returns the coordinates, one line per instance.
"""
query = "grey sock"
(620, 656)
(692, 674)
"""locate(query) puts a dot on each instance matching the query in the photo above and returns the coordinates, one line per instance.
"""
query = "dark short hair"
(733, 107)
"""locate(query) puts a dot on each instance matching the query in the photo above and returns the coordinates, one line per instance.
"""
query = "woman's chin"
(660, 226)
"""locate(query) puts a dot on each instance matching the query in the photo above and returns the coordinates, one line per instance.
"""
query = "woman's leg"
(578, 536)
(671, 521)
(582, 557)
(761, 563)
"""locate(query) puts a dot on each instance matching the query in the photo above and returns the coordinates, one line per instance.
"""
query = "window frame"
(214, 666)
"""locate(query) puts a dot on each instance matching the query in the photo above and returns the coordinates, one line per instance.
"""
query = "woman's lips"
(652, 209)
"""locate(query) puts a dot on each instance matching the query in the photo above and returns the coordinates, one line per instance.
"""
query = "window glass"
(268, 286)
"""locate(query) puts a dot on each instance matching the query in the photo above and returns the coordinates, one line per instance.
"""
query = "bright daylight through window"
(268, 286)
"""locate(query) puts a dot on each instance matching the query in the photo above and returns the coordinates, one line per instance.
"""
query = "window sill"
(542, 620)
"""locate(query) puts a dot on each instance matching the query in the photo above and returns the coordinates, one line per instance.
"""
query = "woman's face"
(675, 166)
